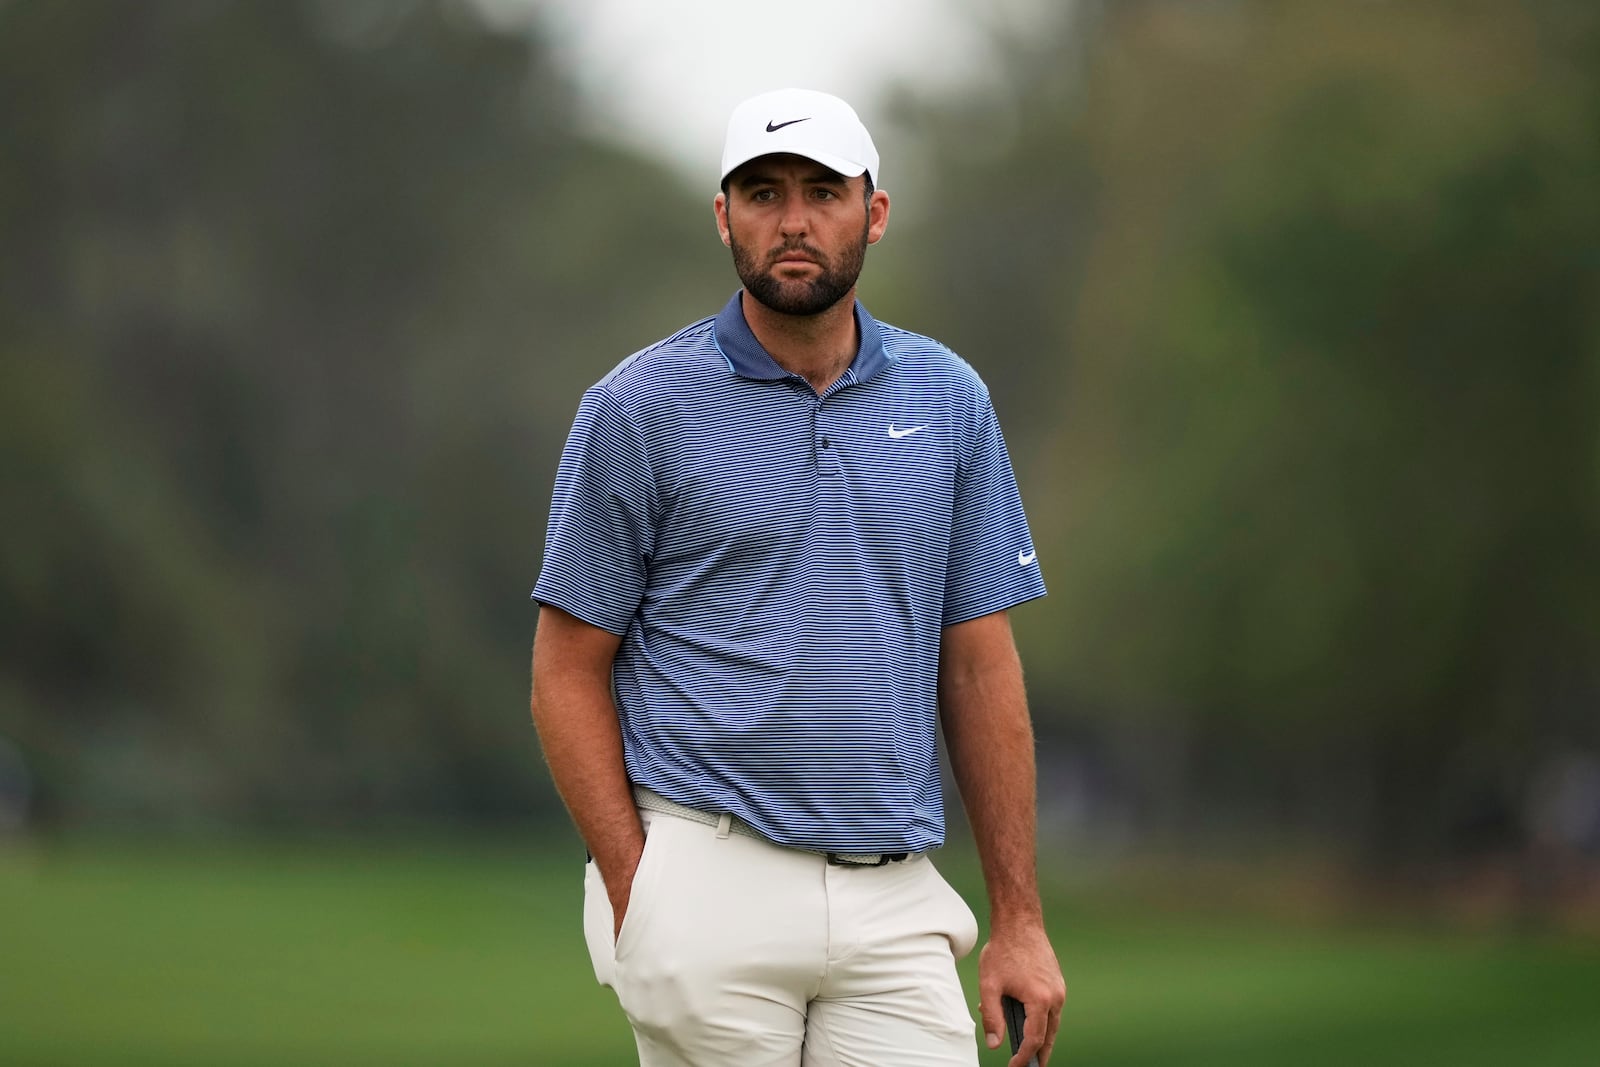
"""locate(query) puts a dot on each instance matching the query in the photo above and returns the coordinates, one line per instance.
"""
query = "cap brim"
(834, 163)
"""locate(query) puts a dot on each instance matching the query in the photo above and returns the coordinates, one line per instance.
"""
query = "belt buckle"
(836, 859)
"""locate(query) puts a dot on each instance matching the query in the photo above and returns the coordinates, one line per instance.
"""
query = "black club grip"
(1015, 1017)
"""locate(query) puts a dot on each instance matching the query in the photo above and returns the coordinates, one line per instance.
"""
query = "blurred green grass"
(425, 953)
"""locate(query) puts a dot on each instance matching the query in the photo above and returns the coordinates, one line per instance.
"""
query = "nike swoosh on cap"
(774, 127)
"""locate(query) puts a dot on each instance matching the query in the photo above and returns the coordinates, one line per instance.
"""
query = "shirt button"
(825, 443)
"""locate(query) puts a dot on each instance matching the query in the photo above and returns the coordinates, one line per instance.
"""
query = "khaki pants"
(737, 951)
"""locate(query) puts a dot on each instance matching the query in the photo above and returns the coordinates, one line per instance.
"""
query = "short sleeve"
(602, 518)
(993, 565)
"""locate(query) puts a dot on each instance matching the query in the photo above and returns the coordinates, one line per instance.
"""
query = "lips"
(795, 255)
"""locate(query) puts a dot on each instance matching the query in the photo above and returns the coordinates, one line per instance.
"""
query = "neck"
(816, 347)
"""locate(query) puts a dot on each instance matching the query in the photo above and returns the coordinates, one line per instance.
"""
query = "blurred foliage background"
(1291, 311)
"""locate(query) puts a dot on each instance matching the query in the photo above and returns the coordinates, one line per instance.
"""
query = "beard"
(798, 296)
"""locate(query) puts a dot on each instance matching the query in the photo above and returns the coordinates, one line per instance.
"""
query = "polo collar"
(749, 360)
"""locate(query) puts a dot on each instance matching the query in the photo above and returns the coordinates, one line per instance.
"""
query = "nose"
(794, 220)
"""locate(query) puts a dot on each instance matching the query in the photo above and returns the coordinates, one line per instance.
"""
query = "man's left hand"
(1021, 963)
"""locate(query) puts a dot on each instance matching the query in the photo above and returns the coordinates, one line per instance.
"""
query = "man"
(781, 550)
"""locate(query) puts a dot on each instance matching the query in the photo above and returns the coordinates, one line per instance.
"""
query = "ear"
(877, 216)
(719, 207)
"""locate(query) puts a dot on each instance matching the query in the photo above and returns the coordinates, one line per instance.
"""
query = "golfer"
(781, 549)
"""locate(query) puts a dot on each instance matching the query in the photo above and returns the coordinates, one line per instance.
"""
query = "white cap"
(806, 123)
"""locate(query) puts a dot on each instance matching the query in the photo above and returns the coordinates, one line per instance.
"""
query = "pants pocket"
(599, 920)
(962, 924)
(642, 892)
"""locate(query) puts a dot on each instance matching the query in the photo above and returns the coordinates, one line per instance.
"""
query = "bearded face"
(764, 276)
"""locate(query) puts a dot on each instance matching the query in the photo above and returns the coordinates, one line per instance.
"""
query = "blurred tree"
(1291, 308)
(297, 302)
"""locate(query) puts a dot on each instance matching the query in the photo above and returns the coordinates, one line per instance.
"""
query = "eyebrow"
(761, 177)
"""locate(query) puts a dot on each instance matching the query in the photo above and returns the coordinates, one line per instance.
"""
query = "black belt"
(879, 859)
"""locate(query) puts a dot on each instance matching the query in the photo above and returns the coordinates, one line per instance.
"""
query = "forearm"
(989, 738)
(581, 736)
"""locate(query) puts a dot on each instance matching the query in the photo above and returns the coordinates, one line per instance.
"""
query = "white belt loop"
(724, 825)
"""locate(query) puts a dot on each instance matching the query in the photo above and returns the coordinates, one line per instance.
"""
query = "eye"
(826, 194)
(762, 196)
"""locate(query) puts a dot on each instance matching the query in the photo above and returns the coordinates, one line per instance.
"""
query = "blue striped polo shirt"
(780, 565)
